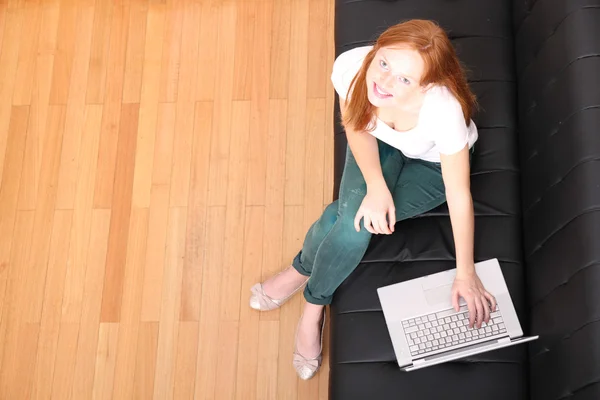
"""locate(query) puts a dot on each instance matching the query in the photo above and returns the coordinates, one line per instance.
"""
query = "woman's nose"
(385, 81)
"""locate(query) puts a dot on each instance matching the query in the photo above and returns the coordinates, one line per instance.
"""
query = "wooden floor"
(157, 158)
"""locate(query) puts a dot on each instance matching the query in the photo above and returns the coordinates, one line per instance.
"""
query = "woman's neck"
(411, 108)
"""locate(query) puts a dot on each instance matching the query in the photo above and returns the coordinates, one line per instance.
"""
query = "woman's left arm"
(456, 173)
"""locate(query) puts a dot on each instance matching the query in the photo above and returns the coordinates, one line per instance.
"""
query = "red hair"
(442, 67)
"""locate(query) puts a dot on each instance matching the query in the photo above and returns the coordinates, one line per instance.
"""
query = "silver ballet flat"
(306, 368)
(260, 301)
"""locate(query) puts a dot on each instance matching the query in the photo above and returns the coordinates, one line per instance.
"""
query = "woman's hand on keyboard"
(471, 289)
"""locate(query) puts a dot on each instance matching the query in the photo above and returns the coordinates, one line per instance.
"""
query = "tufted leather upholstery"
(535, 68)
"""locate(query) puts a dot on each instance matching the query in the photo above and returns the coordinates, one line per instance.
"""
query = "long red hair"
(442, 67)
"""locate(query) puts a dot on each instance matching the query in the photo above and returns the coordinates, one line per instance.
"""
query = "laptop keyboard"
(447, 330)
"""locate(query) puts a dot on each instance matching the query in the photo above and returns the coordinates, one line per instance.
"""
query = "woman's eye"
(404, 80)
(383, 64)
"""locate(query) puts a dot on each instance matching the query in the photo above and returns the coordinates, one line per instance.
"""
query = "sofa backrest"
(557, 45)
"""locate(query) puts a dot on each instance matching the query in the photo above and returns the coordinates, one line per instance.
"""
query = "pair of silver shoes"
(306, 368)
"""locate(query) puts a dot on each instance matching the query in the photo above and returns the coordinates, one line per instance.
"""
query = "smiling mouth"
(380, 92)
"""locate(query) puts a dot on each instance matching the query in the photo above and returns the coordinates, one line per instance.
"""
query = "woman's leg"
(333, 248)
(420, 188)
(281, 285)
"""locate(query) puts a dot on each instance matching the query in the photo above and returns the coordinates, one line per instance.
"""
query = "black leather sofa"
(535, 67)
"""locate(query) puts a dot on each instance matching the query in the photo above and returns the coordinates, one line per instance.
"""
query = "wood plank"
(266, 373)
(313, 162)
(280, 49)
(99, 52)
(182, 154)
(131, 305)
(259, 110)
(23, 84)
(113, 96)
(82, 232)
(44, 366)
(134, 55)
(9, 59)
(106, 355)
(25, 344)
(149, 107)
(227, 360)
(66, 356)
(65, 49)
(189, 49)
(155, 257)
(328, 178)
(185, 364)
(40, 99)
(274, 197)
(70, 158)
(146, 360)
(169, 76)
(207, 57)
(221, 129)
(317, 56)
(163, 146)
(164, 377)
(3, 8)
(244, 33)
(34, 271)
(296, 124)
(9, 192)
(89, 324)
(248, 340)
(196, 245)
(11, 324)
(120, 215)
(235, 213)
(209, 307)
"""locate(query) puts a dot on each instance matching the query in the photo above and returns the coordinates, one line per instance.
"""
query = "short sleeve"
(447, 124)
(345, 67)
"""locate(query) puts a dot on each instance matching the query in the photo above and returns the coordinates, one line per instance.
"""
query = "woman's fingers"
(492, 300)
(472, 311)
(479, 308)
(376, 224)
(383, 225)
(392, 216)
(359, 215)
(368, 226)
(486, 308)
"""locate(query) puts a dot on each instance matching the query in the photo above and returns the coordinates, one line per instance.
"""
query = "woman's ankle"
(313, 313)
(284, 283)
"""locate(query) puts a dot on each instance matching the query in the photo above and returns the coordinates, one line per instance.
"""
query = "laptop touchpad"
(440, 294)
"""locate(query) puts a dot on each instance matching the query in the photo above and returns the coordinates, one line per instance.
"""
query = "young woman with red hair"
(406, 108)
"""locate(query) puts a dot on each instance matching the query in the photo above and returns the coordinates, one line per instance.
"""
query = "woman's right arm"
(378, 203)
(365, 150)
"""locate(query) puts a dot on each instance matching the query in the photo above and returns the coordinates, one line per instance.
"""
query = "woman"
(406, 108)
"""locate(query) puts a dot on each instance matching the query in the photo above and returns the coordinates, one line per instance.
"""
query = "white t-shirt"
(441, 126)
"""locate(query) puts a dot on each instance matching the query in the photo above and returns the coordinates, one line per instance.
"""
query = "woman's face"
(394, 76)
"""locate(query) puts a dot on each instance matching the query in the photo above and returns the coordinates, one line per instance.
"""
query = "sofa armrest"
(557, 46)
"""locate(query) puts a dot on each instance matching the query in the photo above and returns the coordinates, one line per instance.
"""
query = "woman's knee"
(347, 235)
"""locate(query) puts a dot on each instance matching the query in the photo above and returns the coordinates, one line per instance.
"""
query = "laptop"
(426, 329)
